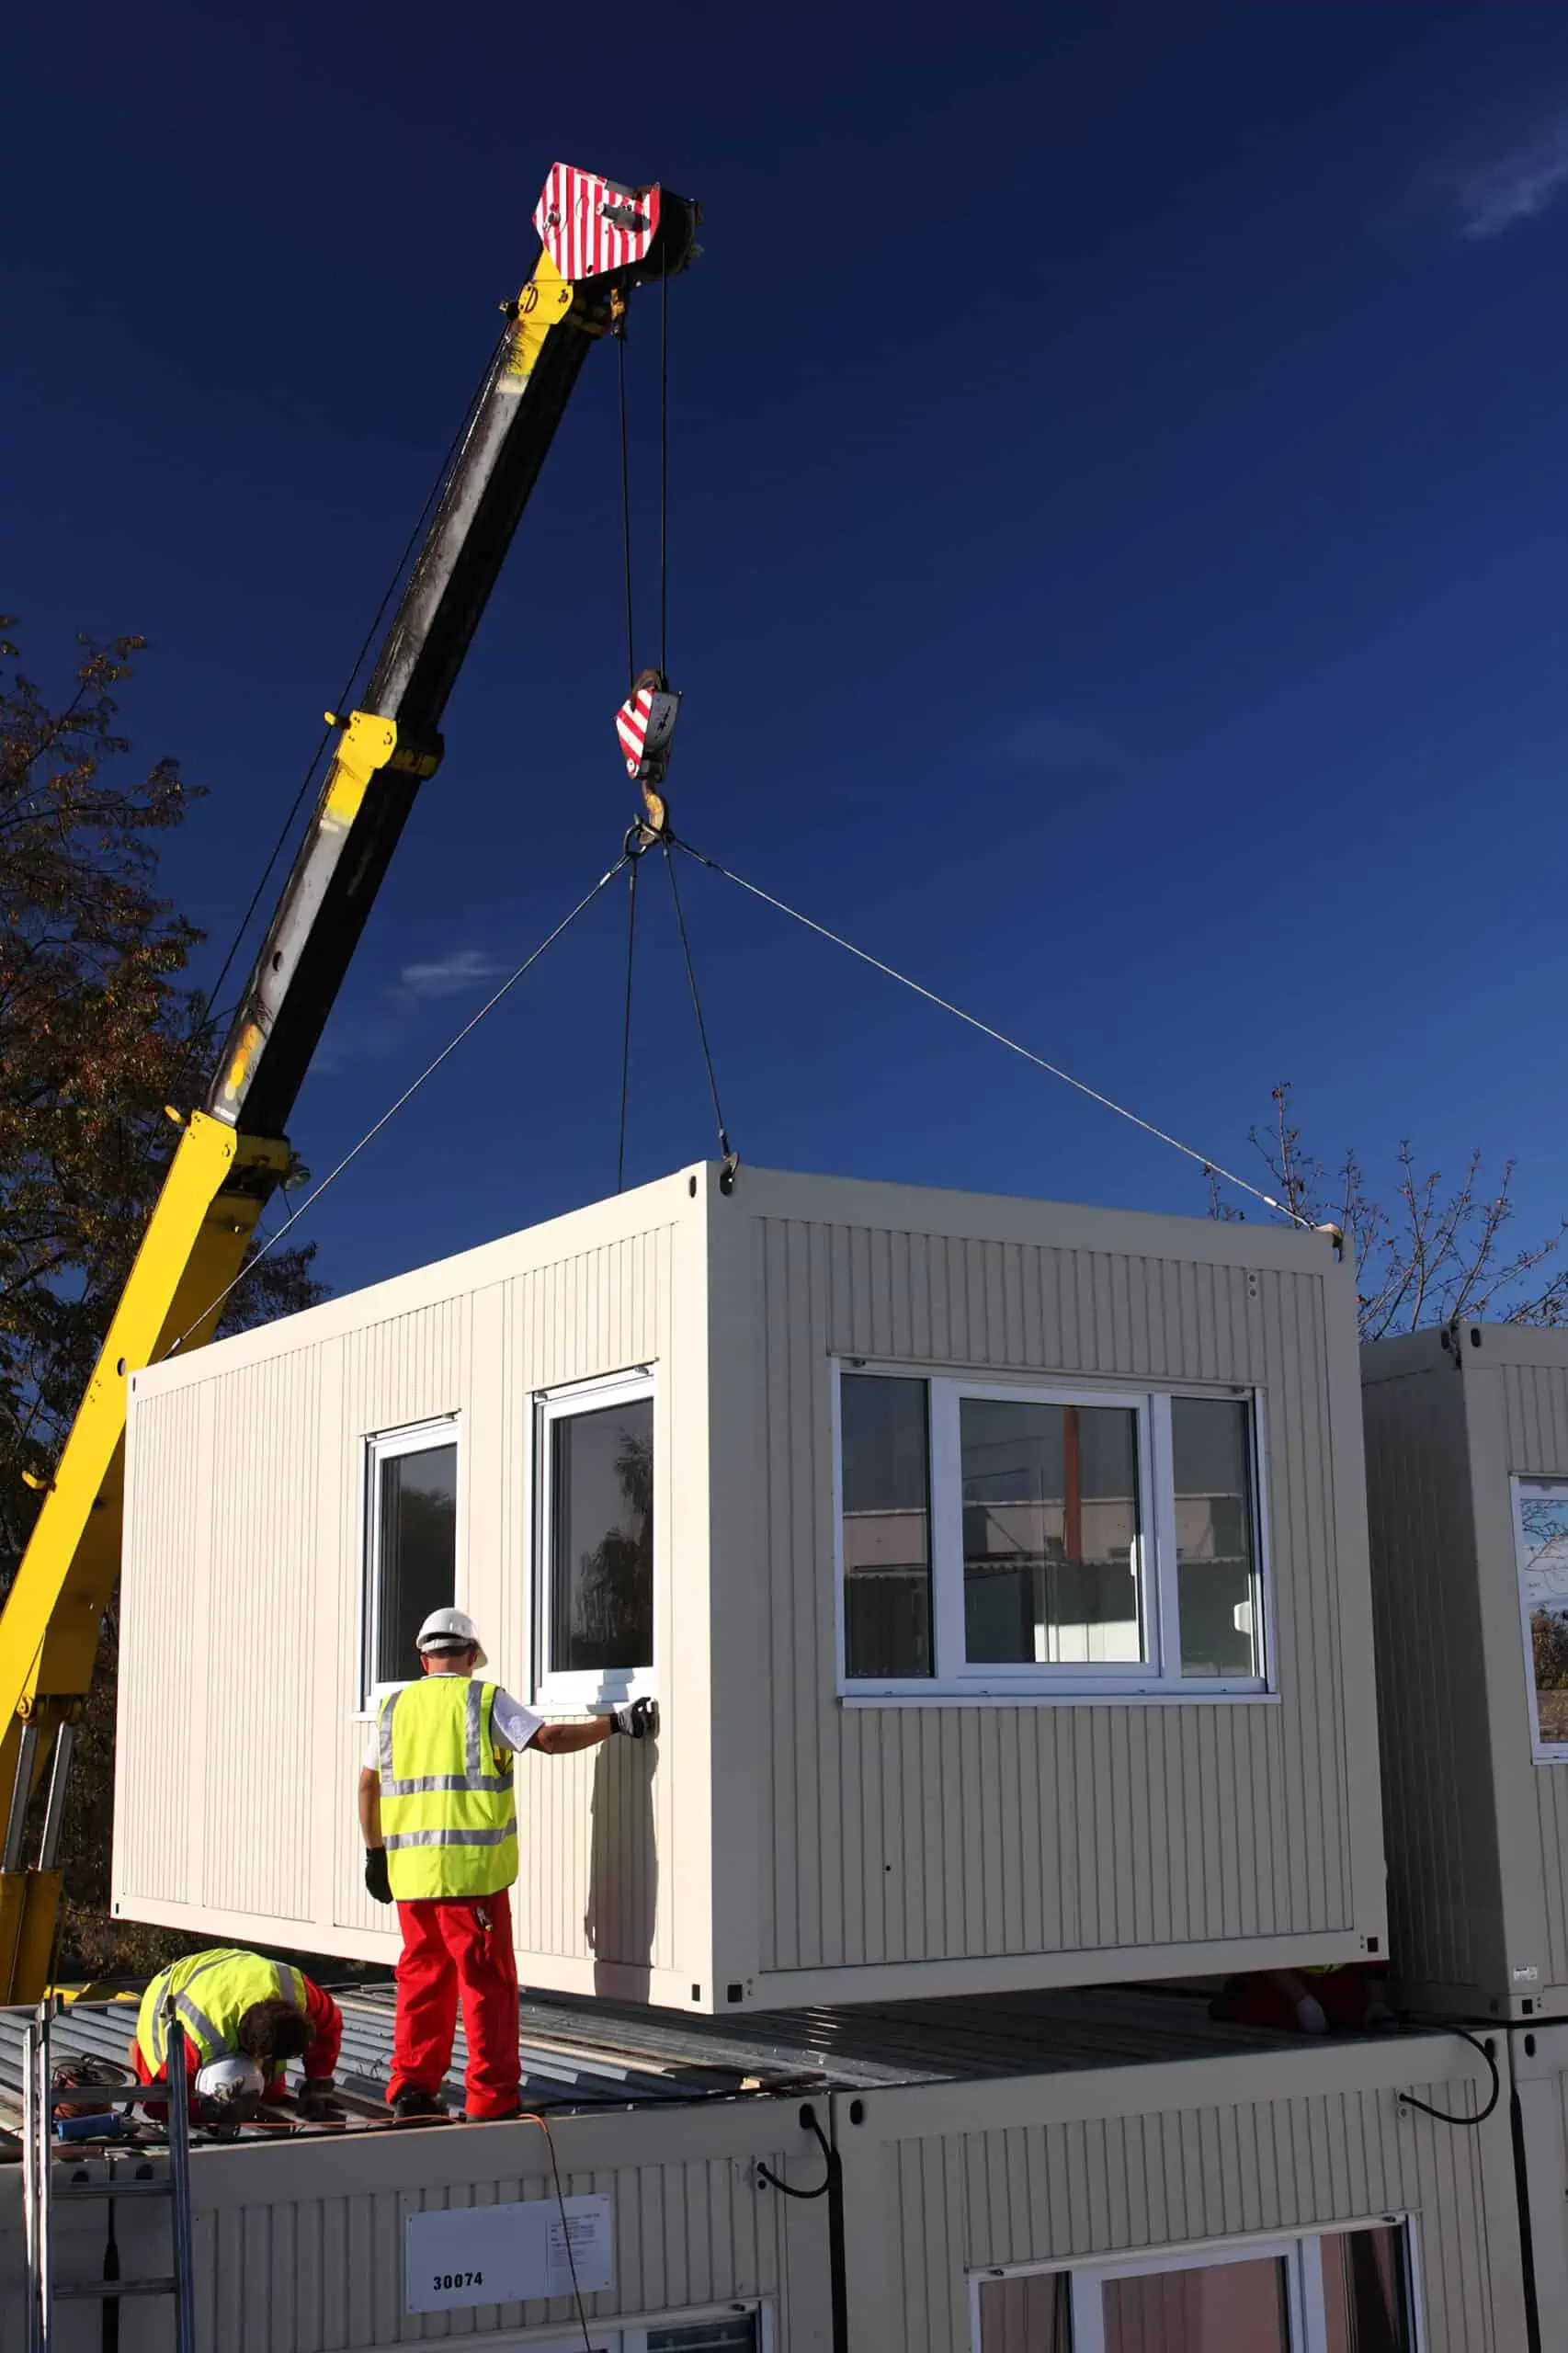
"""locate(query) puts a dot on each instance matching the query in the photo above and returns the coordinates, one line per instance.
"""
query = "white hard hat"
(447, 1628)
(229, 2081)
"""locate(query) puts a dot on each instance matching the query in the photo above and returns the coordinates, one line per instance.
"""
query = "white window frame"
(954, 1677)
(376, 1448)
(1543, 1752)
(1302, 2252)
(583, 1690)
(631, 2337)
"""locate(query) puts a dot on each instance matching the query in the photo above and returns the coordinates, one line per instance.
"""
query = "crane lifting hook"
(645, 726)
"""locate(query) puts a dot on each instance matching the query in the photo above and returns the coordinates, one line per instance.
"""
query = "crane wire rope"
(627, 566)
(393, 1109)
(664, 467)
(1204, 1160)
(437, 486)
(633, 865)
(729, 1155)
(626, 512)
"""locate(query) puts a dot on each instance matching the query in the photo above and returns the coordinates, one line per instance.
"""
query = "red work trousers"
(458, 1947)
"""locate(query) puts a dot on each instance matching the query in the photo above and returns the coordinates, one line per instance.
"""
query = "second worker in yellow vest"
(441, 1829)
(244, 2017)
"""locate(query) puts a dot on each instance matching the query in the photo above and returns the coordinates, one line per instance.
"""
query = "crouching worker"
(441, 1830)
(245, 2019)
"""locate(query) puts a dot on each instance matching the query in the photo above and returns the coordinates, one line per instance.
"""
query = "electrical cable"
(1209, 1166)
(808, 2120)
(626, 514)
(626, 1028)
(532, 2116)
(346, 691)
(1408, 2099)
(390, 1113)
(696, 1009)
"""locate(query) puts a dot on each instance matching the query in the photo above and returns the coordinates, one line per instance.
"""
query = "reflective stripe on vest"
(448, 1816)
(212, 1991)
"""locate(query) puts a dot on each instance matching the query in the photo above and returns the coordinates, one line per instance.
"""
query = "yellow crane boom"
(599, 240)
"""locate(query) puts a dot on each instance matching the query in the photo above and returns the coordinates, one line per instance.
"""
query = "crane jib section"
(600, 240)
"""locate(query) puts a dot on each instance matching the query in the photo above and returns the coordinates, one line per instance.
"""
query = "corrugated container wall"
(1538, 2059)
(243, 1666)
(1467, 1460)
(1260, 2200)
(303, 2247)
(1007, 1569)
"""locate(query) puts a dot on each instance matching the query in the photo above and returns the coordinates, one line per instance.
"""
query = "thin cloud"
(448, 975)
(1517, 181)
(1052, 742)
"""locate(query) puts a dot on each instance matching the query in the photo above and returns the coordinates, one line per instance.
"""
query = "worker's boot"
(411, 2104)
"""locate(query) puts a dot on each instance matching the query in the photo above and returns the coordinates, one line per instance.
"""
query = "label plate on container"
(503, 2255)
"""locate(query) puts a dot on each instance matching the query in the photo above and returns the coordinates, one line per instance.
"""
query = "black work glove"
(639, 1720)
(376, 1877)
(316, 2098)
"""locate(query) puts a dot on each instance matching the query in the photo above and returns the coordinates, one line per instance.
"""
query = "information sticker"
(506, 2255)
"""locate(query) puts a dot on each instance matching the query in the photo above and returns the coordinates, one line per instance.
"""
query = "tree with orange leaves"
(98, 1032)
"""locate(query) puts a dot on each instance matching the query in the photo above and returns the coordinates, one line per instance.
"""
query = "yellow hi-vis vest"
(212, 1991)
(447, 1811)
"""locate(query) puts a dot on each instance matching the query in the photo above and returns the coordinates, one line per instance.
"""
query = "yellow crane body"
(600, 240)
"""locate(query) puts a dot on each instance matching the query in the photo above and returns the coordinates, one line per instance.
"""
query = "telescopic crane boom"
(600, 241)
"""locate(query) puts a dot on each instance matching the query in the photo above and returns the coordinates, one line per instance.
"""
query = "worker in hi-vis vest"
(244, 2019)
(440, 1831)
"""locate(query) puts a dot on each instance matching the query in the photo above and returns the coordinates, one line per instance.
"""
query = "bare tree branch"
(1438, 1252)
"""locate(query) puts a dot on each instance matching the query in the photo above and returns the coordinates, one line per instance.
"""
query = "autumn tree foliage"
(1429, 1247)
(99, 1031)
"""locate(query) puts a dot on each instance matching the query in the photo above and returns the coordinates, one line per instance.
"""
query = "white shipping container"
(1467, 1458)
(1166, 2198)
(999, 1567)
(386, 2237)
(1098, 2173)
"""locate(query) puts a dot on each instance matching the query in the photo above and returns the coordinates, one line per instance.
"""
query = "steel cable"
(1204, 1160)
(626, 515)
(696, 1009)
(392, 1108)
(663, 470)
(626, 1027)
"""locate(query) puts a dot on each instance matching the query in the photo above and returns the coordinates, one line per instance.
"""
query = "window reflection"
(887, 1527)
(1051, 1555)
(417, 1552)
(1029, 2314)
(1365, 2307)
(1222, 1628)
(1544, 1583)
(601, 1471)
(1210, 2308)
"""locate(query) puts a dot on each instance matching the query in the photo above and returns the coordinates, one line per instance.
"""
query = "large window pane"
(417, 1548)
(1222, 1628)
(887, 1527)
(737, 2334)
(1050, 1555)
(1543, 1582)
(601, 1569)
(1030, 2314)
(1366, 2309)
(1210, 2308)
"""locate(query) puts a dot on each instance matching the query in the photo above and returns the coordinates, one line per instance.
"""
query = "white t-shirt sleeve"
(512, 1725)
(373, 1749)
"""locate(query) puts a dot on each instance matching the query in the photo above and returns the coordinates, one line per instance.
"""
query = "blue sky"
(1119, 504)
